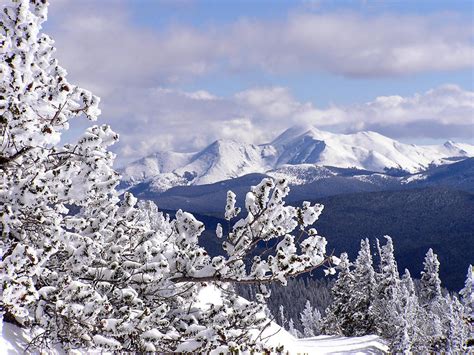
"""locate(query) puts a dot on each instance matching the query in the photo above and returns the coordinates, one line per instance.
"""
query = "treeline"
(414, 316)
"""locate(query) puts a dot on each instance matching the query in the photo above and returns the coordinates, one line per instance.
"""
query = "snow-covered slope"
(276, 337)
(14, 340)
(222, 160)
(362, 150)
(298, 153)
(154, 164)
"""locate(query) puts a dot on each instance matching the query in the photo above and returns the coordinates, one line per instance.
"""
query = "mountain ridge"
(298, 150)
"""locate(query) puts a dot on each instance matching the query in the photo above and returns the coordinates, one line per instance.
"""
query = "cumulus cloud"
(152, 119)
(133, 67)
(119, 52)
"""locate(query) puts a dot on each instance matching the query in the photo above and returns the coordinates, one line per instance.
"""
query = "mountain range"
(299, 154)
(371, 185)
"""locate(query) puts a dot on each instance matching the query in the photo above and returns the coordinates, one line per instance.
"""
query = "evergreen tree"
(292, 330)
(430, 291)
(89, 270)
(339, 315)
(432, 300)
(388, 276)
(307, 320)
(363, 294)
(467, 294)
(409, 337)
(457, 330)
(414, 315)
(387, 302)
(282, 319)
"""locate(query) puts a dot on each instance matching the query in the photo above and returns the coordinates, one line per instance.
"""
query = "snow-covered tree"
(386, 304)
(408, 337)
(430, 292)
(457, 330)
(83, 269)
(339, 315)
(310, 320)
(282, 318)
(409, 326)
(292, 330)
(467, 294)
(388, 277)
(39, 177)
(364, 292)
(432, 300)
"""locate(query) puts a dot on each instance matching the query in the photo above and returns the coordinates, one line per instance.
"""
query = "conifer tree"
(339, 315)
(457, 330)
(387, 300)
(388, 277)
(85, 269)
(292, 330)
(430, 292)
(310, 320)
(409, 337)
(282, 319)
(467, 294)
(432, 300)
(363, 294)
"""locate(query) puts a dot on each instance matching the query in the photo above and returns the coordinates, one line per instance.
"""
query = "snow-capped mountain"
(299, 153)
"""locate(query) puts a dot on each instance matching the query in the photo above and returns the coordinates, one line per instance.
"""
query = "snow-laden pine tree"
(408, 337)
(292, 330)
(281, 317)
(456, 328)
(387, 299)
(388, 276)
(432, 300)
(467, 297)
(364, 292)
(430, 291)
(310, 320)
(339, 318)
(81, 268)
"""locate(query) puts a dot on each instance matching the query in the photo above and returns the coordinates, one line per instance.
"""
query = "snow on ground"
(324, 344)
(276, 336)
(14, 340)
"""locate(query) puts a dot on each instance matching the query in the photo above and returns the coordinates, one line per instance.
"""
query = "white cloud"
(131, 67)
(119, 52)
(163, 119)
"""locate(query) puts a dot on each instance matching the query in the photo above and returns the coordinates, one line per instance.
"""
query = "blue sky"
(178, 74)
(313, 86)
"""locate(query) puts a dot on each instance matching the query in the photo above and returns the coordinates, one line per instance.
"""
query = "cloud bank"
(162, 119)
(133, 67)
(121, 52)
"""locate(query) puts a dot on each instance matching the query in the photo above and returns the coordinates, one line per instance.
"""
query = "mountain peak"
(298, 146)
(295, 132)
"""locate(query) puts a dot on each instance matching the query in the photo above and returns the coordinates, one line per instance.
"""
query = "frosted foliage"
(430, 282)
(310, 320)
(38, 177)
(268, 219)
(467, 293)
(368, 302)
(467, 298)
(84, 269)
